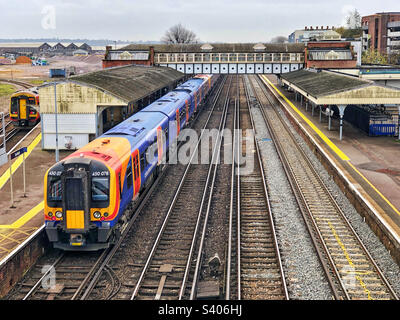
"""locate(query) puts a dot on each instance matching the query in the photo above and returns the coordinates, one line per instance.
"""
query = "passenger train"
(86, 194)
(24, 108)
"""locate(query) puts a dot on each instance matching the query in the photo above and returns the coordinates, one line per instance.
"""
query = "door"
(22, 109)
(160, 144)
(136, 172)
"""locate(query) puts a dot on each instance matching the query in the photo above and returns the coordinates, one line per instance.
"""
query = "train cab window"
(129, 181)
(14, 105)
(55, 189)
(100, 189)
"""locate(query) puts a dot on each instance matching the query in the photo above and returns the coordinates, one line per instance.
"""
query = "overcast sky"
(211, 20)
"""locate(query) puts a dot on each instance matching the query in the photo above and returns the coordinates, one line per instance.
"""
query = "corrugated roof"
(218, 47)
(130, 83)
(320, 84)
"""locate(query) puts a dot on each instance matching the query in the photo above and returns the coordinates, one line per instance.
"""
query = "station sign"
(18, 152)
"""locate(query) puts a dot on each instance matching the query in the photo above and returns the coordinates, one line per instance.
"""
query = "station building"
(90, 104)
(213, 58)
(331, 54)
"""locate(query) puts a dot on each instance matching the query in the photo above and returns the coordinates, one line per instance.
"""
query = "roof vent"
(206, 46)
(259, 47)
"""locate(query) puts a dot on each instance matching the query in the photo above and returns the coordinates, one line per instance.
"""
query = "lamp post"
(55, 105)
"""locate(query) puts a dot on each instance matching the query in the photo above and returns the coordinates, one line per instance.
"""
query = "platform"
(370, 164)
(17, 224)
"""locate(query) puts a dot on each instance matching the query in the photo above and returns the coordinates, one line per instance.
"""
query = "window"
(14, 105)
(74, 196)
(100, 189)
(268, 57)
(136, 166)
(55, 189)
(224, 57)
(197, 57)
(129, 181)
(143, 162)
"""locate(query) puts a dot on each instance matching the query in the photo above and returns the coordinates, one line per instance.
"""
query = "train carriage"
(24, 108)
(86, 194)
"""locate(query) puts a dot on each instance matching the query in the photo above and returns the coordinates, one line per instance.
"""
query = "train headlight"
(97, 215)
(50, 214)
(106, 214)
(59, 214)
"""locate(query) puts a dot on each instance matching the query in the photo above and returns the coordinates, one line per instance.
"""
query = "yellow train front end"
(24, 109)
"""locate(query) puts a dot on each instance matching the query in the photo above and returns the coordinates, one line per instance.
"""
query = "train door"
(22, 109)
(195, 101)
(178, 122)
(160, 144)
(136, 172)
(187, 110)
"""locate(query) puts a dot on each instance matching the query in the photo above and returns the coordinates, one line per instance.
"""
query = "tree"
(279, 39)
(353, 20)
(179, 34)
(374, 57)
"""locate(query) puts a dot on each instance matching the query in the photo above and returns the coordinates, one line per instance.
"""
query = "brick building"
(330, 54)
(381, 31)
(123, 57)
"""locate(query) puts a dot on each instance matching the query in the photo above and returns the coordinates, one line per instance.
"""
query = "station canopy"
(329, 88)
(129, 83)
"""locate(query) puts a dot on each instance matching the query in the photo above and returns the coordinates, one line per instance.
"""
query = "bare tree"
(353, 19)
(179, 34)
(279, 39)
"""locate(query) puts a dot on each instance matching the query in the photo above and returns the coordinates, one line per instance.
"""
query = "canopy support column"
(320, 113)
(342, 108)
(399, 119)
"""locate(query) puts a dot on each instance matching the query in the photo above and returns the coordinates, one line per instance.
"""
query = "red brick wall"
(383, 20)
(332, 64)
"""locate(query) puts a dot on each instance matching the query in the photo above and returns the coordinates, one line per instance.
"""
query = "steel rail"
(172, 205)
(216, 154)
(265, 189)
(332, 200)
(138, 209)
(231, 203)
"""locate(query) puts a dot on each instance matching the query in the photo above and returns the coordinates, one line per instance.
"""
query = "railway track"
(259, 268)
(167, 272)
(351, 271)
(63, 279)
(77, 274)
(25, 85)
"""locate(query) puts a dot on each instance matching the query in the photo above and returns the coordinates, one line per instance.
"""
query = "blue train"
(86, 194)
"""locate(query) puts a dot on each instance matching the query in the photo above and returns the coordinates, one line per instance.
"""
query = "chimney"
(316, 27)
(306, 28)
(327, 27)
(322, 27)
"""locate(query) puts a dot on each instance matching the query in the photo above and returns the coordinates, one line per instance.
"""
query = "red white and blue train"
(86, 194)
